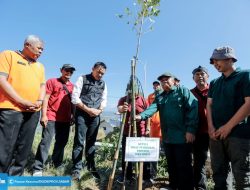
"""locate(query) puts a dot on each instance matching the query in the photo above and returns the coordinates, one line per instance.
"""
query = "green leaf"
(127, 11)
(119, 15)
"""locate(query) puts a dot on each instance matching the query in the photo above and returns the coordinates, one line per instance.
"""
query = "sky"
(82, 32)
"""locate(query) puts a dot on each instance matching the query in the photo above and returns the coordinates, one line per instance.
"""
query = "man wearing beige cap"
(228, 109)
(178, 110)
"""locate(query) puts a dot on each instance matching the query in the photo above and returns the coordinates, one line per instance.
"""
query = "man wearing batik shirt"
(124, 105)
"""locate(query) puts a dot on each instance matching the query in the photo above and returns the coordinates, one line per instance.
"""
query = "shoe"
(95, 175)
(152, 180)
(120, 179)
(75, 175)
(60, 168)
(94, 172)
(166, 188)
(37, 173)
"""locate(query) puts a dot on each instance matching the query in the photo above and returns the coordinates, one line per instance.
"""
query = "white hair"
(32, 39)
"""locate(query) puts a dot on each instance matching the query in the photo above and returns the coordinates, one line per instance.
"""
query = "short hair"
(97, 64)
(32, 39)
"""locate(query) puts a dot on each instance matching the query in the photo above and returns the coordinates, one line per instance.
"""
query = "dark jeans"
(180, 170)
(85, 132)
(235, 151)
(61, 132)
(154, 166)
(17, 130)
(200, 150)
(129, 172)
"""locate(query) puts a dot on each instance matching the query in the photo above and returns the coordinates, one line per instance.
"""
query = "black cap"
(198, 69)
(68, 66)
(156, 82)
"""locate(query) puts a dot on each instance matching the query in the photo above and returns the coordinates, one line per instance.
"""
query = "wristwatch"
(40, 100)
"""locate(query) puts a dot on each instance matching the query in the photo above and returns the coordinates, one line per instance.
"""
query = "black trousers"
(180, 170)
(85, 132)
(61, 132)
(17, 130)
(200, 150)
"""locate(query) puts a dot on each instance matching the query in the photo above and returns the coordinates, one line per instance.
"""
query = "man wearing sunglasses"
(57, 115)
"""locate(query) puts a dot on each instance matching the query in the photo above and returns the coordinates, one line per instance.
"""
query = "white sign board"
(142, 149)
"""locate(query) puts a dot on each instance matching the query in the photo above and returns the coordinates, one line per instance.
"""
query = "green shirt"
(178, 114)
(228, 95)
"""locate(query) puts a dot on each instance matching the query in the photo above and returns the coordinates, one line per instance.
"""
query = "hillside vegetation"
(104, 161)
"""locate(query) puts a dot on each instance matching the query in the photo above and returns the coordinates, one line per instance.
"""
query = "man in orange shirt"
(155, 128)
(154, 122)
(22, 91)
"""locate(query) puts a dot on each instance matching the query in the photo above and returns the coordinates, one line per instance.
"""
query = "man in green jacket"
(178, 110)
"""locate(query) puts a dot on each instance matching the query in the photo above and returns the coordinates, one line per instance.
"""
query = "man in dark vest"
(90, 97)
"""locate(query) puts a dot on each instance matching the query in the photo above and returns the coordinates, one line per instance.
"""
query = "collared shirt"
(228, 95)
(59, 104)
(201, 96)
(24, 76)
(178, 114)
(78, 89)
(155, 125)
(140, 106)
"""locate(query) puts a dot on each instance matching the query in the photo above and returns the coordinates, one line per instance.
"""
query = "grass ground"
(104, 156)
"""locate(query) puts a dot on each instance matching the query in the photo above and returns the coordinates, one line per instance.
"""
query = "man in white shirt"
(90, 97)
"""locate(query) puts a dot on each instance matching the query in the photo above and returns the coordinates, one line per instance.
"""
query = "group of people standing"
(24, 92)
(211, 117)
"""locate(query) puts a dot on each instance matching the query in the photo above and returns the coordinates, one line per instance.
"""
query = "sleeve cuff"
(76, 101)
(142, 116)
